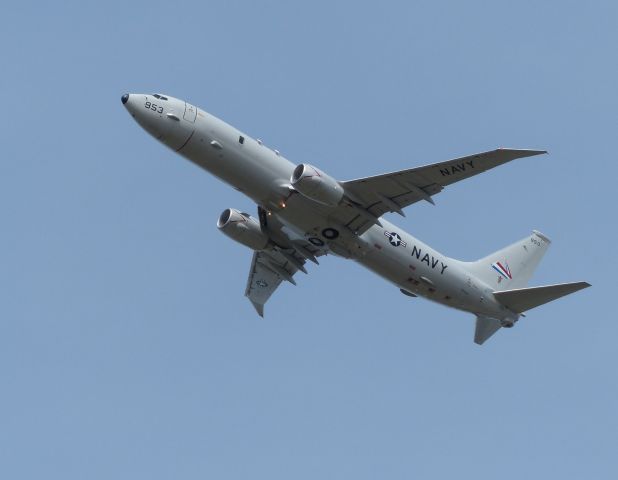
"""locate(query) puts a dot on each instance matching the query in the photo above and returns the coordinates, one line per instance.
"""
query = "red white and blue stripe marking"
(503, 269)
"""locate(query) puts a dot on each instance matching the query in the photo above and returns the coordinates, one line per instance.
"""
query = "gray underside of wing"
(381, 193)
(268, 269)
(287, 254)
(262, 282)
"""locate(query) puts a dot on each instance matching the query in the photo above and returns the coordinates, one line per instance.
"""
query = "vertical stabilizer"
(513, 266)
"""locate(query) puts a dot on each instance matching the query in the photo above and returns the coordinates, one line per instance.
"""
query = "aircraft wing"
(277, 264)
(392, 192)
(263, 279)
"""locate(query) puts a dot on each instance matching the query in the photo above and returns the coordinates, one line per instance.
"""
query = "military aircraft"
(303, 214)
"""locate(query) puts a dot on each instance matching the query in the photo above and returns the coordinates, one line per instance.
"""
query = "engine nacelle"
(243, 228)
(316, 185)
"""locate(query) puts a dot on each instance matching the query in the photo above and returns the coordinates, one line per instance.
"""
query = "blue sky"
(127, 349)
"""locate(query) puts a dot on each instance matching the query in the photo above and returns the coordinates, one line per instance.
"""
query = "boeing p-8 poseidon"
(303, 214)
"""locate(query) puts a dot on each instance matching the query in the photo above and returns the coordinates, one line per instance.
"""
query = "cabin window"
(241, 139)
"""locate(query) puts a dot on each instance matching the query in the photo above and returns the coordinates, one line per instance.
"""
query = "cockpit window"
(160, 97)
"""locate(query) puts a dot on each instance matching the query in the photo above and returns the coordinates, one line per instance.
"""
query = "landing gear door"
(190, 113)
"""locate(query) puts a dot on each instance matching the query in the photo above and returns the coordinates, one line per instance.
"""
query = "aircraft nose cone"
(124, 98)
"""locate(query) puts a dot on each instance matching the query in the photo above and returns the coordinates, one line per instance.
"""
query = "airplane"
(303, 214)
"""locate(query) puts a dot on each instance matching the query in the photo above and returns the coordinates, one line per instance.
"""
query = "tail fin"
(513, 266)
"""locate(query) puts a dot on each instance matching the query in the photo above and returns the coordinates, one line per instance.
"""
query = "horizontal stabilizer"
(523, 299)
(485, 328)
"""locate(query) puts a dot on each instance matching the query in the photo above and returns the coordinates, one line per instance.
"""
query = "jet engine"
(243, 228)
(316, 185)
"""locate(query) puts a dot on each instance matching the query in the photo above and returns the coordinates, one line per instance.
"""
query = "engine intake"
(316, 185)
(243, 228)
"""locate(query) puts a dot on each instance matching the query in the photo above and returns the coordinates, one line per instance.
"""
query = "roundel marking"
(330, 233)
(395, 239)
(318, 242)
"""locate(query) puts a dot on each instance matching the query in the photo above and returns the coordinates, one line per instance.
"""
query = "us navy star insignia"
(394, 239)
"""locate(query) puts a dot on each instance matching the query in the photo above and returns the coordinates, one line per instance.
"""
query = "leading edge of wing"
(506, 154)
